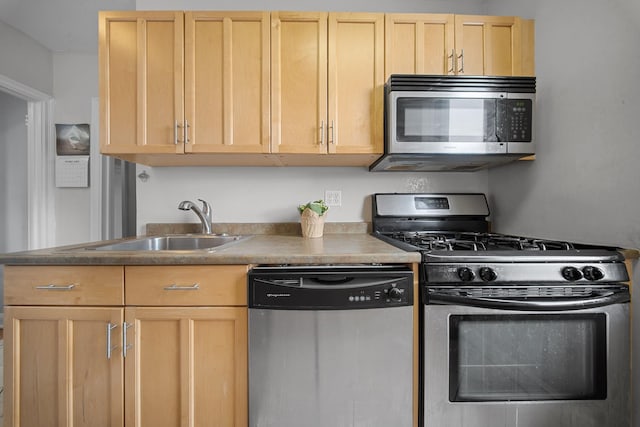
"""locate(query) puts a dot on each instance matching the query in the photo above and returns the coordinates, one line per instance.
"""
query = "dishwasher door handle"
(323, 283)
(290, 283)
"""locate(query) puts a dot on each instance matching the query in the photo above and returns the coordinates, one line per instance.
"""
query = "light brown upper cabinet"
(141, 82)
(327, 74)
(192, 82)
(227, 82)
(459, 45)
(419, 44)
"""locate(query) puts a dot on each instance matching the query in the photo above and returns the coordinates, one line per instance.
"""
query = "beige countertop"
(279, 243)
(338, 248)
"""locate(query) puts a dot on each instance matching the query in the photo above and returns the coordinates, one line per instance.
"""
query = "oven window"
(446, 119)
(527, 357)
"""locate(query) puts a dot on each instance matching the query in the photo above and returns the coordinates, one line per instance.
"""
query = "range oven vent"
(517, 292)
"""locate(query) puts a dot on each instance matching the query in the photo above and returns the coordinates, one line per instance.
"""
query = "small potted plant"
(312, 217)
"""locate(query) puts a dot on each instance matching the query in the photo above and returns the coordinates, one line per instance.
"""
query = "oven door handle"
(607, 297)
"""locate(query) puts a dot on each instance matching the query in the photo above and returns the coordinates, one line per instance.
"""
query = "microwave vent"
(424, 82)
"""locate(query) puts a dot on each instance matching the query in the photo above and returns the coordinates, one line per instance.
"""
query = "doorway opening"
(40, 222)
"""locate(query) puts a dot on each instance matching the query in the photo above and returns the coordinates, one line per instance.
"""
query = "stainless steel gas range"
(515, 331)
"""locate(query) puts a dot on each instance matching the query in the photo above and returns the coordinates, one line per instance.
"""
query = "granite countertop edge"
(341, 244)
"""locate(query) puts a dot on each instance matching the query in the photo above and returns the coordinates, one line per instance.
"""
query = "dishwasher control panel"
(330, 287)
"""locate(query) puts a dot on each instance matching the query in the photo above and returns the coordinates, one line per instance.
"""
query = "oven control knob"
(487, 274)
(592, 273)
(571, 273)
(394, 294)
(466, 274)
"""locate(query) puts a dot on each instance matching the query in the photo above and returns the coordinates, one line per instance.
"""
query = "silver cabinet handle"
(322, 132)
(52, 287)
(186, 131)
(125, 346)
(461, 57)
(176, 287)
(331, 140)
(110, 348)
(176, 130)
(453, 60)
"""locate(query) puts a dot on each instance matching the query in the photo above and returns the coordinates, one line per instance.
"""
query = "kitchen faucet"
(204, 214)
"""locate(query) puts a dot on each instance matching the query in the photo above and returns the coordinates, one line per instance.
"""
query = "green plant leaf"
(317, 206)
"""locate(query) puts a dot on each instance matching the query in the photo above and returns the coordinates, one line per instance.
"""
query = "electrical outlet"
(333, 197)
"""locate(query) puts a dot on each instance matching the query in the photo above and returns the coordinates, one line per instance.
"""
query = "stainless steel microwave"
(461, 123)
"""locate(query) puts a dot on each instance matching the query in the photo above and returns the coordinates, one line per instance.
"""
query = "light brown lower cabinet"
(176, 358)
(57, 371)
(189, 367)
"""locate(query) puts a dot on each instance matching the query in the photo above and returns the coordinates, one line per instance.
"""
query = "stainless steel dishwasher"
(330, 346)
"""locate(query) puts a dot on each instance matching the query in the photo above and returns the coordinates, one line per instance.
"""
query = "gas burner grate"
(474, 241)
(440, 241)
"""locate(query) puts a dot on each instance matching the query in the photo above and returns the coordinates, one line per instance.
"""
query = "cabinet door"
(227, 82)
(356, 81)
(419, 44)
(186, 367)
(488, 45)
(56, 367)
(141, 82)
(299, 82)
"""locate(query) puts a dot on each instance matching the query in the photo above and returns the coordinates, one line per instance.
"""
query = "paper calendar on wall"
(72, 171)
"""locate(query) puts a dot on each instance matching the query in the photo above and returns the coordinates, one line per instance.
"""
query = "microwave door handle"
(500, 119)
(603, 299)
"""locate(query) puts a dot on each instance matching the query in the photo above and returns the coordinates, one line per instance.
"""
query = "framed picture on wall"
(72, 140)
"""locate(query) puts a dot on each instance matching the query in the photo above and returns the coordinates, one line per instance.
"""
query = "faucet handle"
(206, 209)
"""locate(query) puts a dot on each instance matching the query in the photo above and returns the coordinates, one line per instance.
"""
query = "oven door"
(503, 368)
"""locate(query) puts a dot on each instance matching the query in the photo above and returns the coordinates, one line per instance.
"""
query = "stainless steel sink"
(181, 242)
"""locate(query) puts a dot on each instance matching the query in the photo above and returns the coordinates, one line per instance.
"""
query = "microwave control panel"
(514, 120)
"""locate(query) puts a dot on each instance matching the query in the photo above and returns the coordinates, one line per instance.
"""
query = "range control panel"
(328, 289)
(525, 272)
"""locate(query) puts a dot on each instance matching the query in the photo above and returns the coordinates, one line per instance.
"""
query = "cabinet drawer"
(186, 285)
(63, 285)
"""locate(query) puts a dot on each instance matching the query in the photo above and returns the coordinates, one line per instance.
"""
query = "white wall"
(24, 60)
(75, 82)
(265, 194)
(585, 182)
